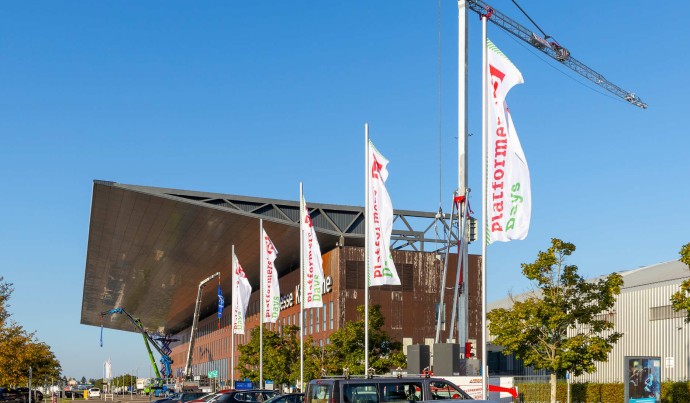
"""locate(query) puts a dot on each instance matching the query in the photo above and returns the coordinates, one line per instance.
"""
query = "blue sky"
(252, 97)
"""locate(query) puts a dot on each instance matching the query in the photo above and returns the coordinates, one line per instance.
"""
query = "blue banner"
(221, 303)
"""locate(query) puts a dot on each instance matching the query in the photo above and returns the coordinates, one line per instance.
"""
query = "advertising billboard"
(642, 379)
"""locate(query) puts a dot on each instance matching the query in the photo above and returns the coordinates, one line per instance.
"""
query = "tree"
(346, 349)
(681, 299)
(536, 328)
(281, 353)
(20, 350)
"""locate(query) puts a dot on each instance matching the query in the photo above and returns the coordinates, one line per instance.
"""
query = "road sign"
(213, 374)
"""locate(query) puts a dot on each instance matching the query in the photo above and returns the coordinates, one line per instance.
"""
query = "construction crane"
(195, 322)
(551, 49)
(160, 343)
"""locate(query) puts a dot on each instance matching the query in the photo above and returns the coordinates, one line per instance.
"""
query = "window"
(360, 393)
(318, 326)
(401, 392)
(443, 391)
(660, 313)
(331, 308)
(319, 393)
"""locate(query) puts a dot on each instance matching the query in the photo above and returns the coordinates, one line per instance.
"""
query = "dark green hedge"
(671, 392)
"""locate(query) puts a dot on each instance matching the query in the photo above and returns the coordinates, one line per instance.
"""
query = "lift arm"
(195, 322)
(551, 49)
(148, 340)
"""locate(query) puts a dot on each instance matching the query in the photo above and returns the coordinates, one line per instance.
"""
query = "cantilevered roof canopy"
(150, 247)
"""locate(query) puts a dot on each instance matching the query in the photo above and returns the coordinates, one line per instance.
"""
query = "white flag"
(380, 267)
(508, 188)
(312, 262)
(271, 290)
(241, 291)
(108, 370)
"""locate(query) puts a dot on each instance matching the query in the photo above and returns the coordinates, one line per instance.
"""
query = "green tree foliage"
(20, 350)
(681, 299)
(346, 349)
(281, 357)
(121, 383)
(536, 329)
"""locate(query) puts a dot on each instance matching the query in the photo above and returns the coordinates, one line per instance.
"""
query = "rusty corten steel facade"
(149, 247)
(409, 310)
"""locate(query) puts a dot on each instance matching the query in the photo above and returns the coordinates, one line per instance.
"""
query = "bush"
(674, 392)
(671, 392)
(579, 392)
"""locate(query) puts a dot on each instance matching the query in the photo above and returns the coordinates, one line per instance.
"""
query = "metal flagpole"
(301, 286)
(232, 322)
(261, 302)
(462, 97)
(367, 175)
(484, 201)
(462, 164)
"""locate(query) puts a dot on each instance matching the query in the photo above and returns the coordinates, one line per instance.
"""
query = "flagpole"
(261, 302)
(232, 323)
(366, 249)
(301, 286)
(484, 201)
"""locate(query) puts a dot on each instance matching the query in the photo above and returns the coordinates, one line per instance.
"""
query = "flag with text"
(313, 279)
(380, 267)
(509, 202)
(241, 291)
(271, 289)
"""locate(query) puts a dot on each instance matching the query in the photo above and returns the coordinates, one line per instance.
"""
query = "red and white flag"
(312, 262)
(241, 291)
(380, 267)
(271, 290)
(509, 201)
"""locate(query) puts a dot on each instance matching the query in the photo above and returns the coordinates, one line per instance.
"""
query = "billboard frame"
(642, 379)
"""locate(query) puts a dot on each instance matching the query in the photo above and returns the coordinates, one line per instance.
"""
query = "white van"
(94, 392)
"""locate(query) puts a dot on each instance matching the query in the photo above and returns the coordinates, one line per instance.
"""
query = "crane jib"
(551, 49)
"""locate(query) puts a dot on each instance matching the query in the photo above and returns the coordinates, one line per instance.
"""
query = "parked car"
(380, 390)
(8, 395)
(181, 397)
(243, 396)
(288, 398)
(94, 392)
(186, 397)
(165, 399)
(77, 394)
(210, 396)
(23, 394)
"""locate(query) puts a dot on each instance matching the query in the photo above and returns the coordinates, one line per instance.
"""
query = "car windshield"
(319, 393)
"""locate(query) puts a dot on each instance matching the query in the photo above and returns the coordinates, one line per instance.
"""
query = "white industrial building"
(643, 314)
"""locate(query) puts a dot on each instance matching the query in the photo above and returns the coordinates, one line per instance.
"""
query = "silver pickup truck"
(407, 389)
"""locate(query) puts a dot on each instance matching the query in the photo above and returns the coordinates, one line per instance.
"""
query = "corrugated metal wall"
(645, 335)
